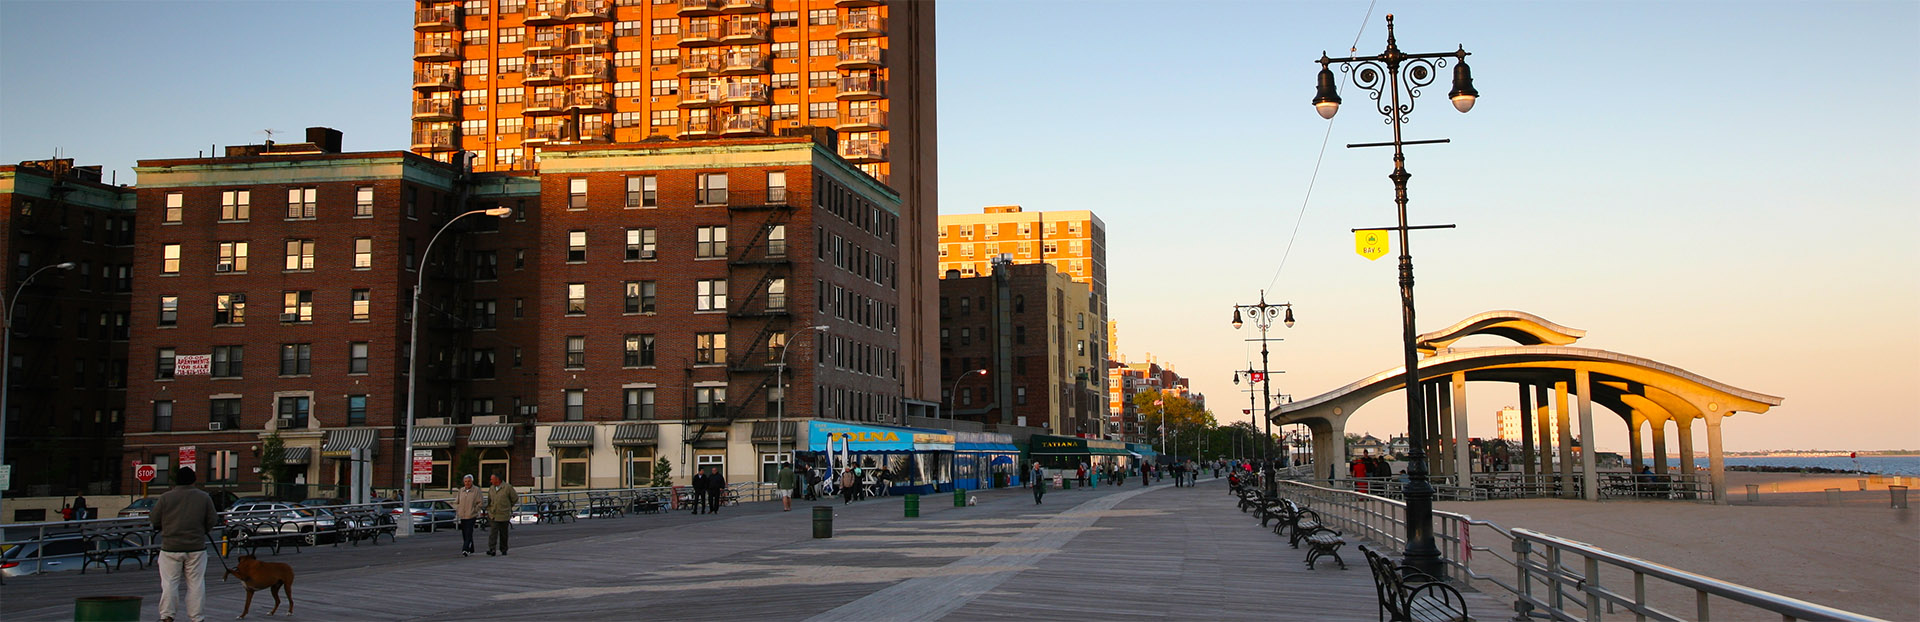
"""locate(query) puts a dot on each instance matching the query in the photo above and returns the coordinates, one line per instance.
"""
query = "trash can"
(959, 498)
(1753, 492)
(1899, 494)
(106, 609)
(1066, 484)
(913, 506)
(822, 521)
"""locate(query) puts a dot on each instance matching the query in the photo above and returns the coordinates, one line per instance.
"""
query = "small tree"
(467, 463)
(662, 473)
(273, 464)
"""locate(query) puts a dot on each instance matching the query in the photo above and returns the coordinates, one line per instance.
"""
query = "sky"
(1727, 187)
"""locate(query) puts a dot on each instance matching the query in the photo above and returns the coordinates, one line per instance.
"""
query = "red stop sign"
(143, 472)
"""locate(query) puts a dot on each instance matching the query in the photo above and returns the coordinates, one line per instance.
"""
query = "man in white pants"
(184, 517)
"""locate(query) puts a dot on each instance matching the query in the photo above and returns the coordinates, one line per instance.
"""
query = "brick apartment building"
(67, 364)
(1125, 380)
(1035, 331)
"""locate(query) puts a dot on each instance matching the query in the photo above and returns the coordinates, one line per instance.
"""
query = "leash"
(215, 548)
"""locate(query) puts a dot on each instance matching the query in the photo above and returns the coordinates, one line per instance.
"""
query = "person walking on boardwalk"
(184, 517)
(467, 503)
(500, 501)
(1039, 483)
(716, 491)
(785, 480)
(849, 485)
(700, 490)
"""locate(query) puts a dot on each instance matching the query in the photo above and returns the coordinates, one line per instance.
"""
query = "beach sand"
(1860, 554)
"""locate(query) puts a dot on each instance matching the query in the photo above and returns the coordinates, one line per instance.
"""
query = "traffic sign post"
(422, 466)
(144, 473)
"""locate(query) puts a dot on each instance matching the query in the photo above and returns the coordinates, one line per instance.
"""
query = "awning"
(340, 443)
(570, 436)
(636, 434)
(297, 455)
(497, 435)
(433, 437)
(1107, 451)
(763, 431)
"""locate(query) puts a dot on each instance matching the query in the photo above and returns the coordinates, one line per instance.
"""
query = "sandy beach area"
(1858, 554)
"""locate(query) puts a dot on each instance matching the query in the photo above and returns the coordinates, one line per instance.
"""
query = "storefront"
(1069, 452)
(912, 460)
(985, 460)
(1143, 453)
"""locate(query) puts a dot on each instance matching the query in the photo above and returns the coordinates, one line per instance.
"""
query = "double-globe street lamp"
(6, 352)
(1263, 315)
(405, 522)
(780, 413)
(1387, 76)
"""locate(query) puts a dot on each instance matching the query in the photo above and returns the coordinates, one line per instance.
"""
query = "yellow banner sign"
(1370, 243)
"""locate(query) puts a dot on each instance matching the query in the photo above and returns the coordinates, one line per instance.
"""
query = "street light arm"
(13, 299)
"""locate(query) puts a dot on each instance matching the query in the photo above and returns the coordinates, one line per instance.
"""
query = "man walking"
(849, 485)
(184, 518)
(716, 491)
(467, 504)
(700, 490)
(1039, 483)
(785, 480)
(500, 501)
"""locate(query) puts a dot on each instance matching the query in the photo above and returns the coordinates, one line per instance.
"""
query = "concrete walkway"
(1110, 553)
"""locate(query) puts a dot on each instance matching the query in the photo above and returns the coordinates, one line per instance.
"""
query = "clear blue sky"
(1724, 186)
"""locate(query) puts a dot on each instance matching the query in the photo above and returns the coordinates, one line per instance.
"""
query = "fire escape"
(762, 310)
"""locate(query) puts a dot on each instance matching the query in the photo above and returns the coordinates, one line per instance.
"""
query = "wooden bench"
(1408, 595)
(1289, 516)
(1321, 540)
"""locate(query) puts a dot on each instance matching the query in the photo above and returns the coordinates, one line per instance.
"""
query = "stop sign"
(143, 472)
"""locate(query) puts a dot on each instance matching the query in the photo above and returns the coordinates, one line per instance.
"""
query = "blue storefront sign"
(915, 460)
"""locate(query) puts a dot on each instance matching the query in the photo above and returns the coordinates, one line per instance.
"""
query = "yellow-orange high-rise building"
(499, 79)
(1075, 242)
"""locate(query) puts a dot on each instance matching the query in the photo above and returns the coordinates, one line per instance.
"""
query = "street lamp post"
(780, 414)
(1263, 315)
(953, 392)
(6, 353)
(404, 525)
(1387, 76)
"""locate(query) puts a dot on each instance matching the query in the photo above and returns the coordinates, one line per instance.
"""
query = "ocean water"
(1888, 465)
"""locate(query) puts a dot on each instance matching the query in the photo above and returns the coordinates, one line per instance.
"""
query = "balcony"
(700, 33)
(545, 104)
(589, 100)
(743, 6)
(699, 128)
(436, 50)
(862, 87)
(443, 18)
(745, 32)
(544, 134)
(867, 150)
(862, 26)
(544, 41)
(745, 124)
(863, 121)
(862, 57)
(751, 93)
(856, 3)
(585, 11)
(545, 72)
(544, 12)
(590, 69)
(437, 79)
(595, 133)
(433, 140)
(743, 62)
(588, 41)
(700, 66)
(699, 7)
(701, 95)
(435, 109)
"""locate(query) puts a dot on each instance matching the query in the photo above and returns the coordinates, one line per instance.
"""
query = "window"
(712, 189)
(776, 186)
(362, 253)
(506, 65)
(639, 404)
(784, 111)
(822, 17)
(162, 422)
(711, 295)
(709, 348)
(224, 411)
(299, 254)
(169, 310)
(363, 201)
(362, 306)
(822, 110)
(643, 191)
(789, 49)
(236, 204)
(628, 28)
(513, 95)
(293, 411)
(784, 81)
(576, 245)
(777, 241)
(227, 361)
(169, 259)
(640, 297)
(710, 242)
(669, 56)
(664, 118)
(576, 352)
(668, 26)
(229, 308)
(297, 306)
(357, 357)
(576, 299)
(641, 244)
(356, 410)
(296, 359)
(1020, 396)
(482, 366)
(626, 119)
(638, 352)
(817, 79)
(577, 193)
(176, 204)
(576, 404)
(572, 460)
(709, 402)
(233, 257)
(777, 295)
(301, 202)
(784, 19)
(163, 364)
(823, 47)
(511, 35)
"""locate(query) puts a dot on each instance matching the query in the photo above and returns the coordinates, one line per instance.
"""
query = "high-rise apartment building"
(504, 79)
(1034, 331)
(1512, 424)
(1075, 242)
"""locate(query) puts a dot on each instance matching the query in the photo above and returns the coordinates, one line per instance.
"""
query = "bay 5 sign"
(1370, 243)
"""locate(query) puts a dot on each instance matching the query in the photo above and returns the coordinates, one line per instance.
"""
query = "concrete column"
(1447, 440)
(1542, 414)
(1715, 461)
(1462, 445)
(1634, 421)
(1528, 464)
(1335, 454)
(1589, 462)
(1683, 424)
(1659, 428)
(1564, 419)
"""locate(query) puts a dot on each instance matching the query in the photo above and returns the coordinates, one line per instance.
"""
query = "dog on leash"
(258, 575)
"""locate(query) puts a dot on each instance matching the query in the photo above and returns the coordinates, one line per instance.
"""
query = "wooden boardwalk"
(1110, 554)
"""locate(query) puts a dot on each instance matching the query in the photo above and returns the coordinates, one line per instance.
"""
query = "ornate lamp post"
(1263, 315)
(1387, 76)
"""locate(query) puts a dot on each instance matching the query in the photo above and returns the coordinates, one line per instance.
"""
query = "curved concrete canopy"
(1523, 328)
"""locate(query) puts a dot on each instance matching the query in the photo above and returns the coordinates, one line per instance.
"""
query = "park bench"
(648, 503)
(1321, 540)
(1408, 595)
(357, 525)
(111, 547)
(1289, 515)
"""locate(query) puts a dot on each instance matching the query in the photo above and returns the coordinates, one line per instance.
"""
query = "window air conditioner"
(215, 426)
(224, 267)
(289, 317)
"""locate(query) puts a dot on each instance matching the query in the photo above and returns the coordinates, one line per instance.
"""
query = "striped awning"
(341, 442)
(636, 434)
(570, 436)
(297, 455)
(432, 437)
(498, 435)
(763, 431)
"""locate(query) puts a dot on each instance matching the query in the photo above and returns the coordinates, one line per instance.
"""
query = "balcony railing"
(435, 109)
(856, 3)
(545, 72)
(700, 65)
(745, 124)
(746, 93)
(581, 11)
(544, 41)
(545, 104)
(589, 100)
(544, 12)
(863, 121)
(701, 94)
(594, 133)
(863, 25)
(588, 41)
(433, 140)
(745, 31)
(441, 18)
(700, 7)
(706, 127)
(436, 50)
(862, 57)
(743, 6)
(865, 150)
(591, 69)
(544, 133)
(744, 62)
(437, 79)
(701, 32)
(862, 87)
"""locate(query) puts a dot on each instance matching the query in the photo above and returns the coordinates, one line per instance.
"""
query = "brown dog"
(258, 575)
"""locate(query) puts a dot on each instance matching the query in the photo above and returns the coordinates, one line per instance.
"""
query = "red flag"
(1156, 402)
(1259, 376)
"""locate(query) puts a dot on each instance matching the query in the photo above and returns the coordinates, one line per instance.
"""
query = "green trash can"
(959, 498)
(913, 506)
(106, 609)
(822, 521)
(1066, 483)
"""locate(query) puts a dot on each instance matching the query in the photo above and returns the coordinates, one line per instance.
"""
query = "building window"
(822, 110)
(169, 259)
(228, 361)
(712, 189)
(777, 295)
(573, 460)
(357, 357)
(229, 308)
(301, 202)
(664, 118)
(788, 49)
(363, 201)
(822, 17)
(639, 351)
(356, 410)
(709, 348)
(236, 205)
(784, 81)
(293, 412)
(513, 95)
(1020, 396)
(576, 245)
(362, 253)
(638, 404)
(577, 193)
(362, 305)
(233, 257)
(576, 404)
(776, 186)
(297, 306)
(626, 119)
(576, 352)
(643, 191)
(576, 299)
(710, 242)
(483, 363)
(224, 411)
(176, 205)
(823, 47)
(641, 244)
(639, 296)
(163, 364)
(169, 310)
(711, 295)
(670, 56)
(777, 241)
(819, 79)
(299, 254)
(781, 112)
(162, 421)
(296, 359)
(668, 26)
(709, 402)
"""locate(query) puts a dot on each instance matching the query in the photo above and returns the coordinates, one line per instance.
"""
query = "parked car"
(284, 519)
(525, 514)
(237, 501)
(63, 552)
(428, 513)
(140, 507)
